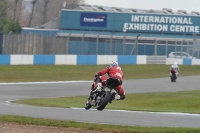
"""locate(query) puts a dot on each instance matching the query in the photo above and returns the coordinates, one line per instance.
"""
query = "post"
(83, 43)
(32, 42)
(67, 43)
(29, 43)
(166, 50)
(136, 43)
(39, 44)
(198, 49)
(124, 39)
(155, 49)
(111, 44)
(54, 43)
(181, 47)
(187, 45)
(24, 44)
(97, 43)
(9, 42)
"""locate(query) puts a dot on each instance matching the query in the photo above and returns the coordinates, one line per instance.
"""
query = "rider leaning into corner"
(113, 71)
(175, 67)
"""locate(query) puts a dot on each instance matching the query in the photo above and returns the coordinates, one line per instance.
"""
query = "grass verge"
(95, 127)
(185, 101)
(38, 73)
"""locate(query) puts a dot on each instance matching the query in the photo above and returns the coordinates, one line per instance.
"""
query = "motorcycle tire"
(173, 78)
(105, 101)
(88, 105)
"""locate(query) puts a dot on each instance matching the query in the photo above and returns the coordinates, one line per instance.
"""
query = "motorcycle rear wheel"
(105, 101)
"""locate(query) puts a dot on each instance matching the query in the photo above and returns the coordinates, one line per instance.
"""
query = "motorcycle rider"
(113, 71)
(174, 67)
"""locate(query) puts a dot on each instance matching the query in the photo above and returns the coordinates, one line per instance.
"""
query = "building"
(98, 30)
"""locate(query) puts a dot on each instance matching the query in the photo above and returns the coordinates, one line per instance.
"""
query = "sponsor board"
(162, 24)
(93, 20)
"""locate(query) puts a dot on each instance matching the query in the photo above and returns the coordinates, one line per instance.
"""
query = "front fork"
(93, 96)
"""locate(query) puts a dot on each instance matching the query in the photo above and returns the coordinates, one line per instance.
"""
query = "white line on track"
(167, 113)
(53, 82)
(10, 101)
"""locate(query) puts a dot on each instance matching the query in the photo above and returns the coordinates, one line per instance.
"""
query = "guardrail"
(90, 60)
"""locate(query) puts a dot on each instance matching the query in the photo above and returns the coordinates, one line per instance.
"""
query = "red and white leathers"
(174, 68)
(112, 72)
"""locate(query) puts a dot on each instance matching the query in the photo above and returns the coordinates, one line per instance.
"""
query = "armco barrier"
(170, 61)
(69, 59)
(84, 60)
(183, 61)
(5, 59)
(196, 62)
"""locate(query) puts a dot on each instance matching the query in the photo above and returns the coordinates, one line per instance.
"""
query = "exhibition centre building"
(99, 30)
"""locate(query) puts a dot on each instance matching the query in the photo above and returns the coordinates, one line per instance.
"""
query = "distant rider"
(113, 71)
(174, 67)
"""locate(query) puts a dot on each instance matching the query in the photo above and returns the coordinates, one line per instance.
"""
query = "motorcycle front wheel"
(173, 78)
(87, 104)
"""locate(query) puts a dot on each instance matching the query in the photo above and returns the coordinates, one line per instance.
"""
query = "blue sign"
(130, 22)
(93, 19)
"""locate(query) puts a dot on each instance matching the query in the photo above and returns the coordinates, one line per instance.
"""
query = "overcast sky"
(188, 5)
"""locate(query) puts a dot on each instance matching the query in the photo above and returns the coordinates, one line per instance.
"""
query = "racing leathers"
(174, 68)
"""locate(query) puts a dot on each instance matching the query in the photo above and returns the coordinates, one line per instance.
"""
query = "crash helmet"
(113, 64)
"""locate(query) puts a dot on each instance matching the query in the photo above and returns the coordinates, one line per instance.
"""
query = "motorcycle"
(99, 98)
(173, 76)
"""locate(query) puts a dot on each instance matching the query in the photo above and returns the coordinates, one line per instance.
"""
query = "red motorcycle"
(100, 97)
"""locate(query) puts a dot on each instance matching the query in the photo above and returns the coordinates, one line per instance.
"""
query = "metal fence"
(196, 46)
(97, 45)
(34, 44)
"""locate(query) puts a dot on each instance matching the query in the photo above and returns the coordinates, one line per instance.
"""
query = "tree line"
(15, 14)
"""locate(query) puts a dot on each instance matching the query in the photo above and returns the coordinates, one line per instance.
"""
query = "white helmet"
(175, 63)
(113, 63)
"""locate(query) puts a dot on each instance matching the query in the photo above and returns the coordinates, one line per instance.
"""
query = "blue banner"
(130, 22)
(93, 20)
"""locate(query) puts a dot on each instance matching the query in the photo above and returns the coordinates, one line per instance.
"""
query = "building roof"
(165, 11)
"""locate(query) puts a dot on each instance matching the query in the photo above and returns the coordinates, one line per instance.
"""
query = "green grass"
(37, 73)
(95, 127)
(186, 101)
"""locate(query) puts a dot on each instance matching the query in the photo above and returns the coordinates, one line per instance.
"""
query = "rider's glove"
(97, 74)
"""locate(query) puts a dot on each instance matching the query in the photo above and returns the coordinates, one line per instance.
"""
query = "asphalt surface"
(9, 92)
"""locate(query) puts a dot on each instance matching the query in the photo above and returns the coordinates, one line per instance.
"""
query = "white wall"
(65, 59)
(106, 59)
(170, 61)
(21, 60)
(141, 59)
(195, 61)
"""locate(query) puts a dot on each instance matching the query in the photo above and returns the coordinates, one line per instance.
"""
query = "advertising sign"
(93, 19)
(161, 23)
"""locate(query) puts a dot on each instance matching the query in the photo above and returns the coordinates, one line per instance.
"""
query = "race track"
(10, 92)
